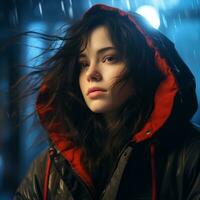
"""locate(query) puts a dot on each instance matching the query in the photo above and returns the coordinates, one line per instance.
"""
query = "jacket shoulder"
(31, 186)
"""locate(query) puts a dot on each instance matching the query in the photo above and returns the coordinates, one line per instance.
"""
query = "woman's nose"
(93, 73)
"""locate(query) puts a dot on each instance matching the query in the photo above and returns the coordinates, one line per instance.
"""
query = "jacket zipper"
(131, 143)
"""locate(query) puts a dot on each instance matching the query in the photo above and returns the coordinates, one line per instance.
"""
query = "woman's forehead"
(99, 38)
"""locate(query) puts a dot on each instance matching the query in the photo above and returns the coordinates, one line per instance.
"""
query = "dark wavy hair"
(101, 142)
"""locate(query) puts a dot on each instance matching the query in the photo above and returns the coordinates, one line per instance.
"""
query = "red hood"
(169, 63)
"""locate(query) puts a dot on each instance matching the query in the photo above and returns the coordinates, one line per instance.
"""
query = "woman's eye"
(110, 59)
(83, 65)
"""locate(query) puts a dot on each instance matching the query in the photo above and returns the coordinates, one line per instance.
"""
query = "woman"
(116, 103)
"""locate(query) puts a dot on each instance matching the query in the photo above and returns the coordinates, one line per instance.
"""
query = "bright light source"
(151, 14)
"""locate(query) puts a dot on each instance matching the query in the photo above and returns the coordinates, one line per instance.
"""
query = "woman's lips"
(94, 89)
(96, 93)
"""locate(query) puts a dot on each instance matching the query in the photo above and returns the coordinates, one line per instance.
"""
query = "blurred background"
(21, 140)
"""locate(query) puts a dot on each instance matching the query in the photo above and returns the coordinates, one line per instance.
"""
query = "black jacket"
(161, 162)
(159, 171)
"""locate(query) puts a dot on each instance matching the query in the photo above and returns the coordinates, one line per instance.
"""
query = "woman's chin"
(100, 109)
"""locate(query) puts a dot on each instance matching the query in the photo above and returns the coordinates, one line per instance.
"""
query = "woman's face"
(101, 67)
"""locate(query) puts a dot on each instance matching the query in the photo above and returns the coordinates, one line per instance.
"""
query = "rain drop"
(40, 9)
(63, 7)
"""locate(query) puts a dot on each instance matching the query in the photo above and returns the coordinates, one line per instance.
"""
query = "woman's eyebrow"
(99, 51)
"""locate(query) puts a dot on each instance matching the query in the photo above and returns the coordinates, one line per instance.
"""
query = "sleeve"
(31, 186)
